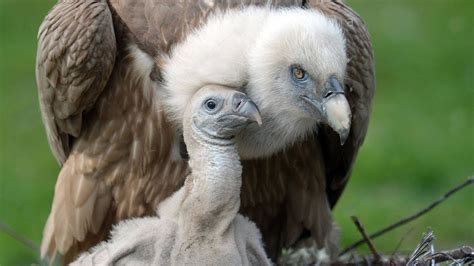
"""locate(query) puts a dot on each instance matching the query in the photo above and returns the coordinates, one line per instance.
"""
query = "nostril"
(238, 104)
(328, 94)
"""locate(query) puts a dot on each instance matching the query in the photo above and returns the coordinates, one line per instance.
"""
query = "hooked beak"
(245, 107)
(333, 106)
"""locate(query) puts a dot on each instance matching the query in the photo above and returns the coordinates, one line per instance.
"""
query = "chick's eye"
(211, 104)
(298, 73)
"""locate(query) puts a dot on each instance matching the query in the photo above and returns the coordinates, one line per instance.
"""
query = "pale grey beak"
(334, 107)
(245, 107)
(338, 116)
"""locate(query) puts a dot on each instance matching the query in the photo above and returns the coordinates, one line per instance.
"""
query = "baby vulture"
(199, 223)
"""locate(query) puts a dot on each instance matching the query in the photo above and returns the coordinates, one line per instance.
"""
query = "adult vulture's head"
(291, 62)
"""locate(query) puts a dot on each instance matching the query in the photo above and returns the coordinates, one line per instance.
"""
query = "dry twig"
(408, 219)
(422, 249)
(366, 238)
(17, 236)
(424, 253)
(461, 255)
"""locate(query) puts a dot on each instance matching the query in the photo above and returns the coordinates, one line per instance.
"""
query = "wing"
(359, 87)
(285, 194)
(76, 54)
(292, 192)
(121, 165)
(122, 161)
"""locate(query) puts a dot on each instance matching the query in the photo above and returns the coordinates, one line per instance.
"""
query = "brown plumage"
(107, 126)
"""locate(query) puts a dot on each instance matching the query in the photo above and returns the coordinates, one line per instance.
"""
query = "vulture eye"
(298, 73)
(210, 105)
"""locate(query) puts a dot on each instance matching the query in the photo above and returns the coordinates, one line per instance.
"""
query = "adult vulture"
(111, 88)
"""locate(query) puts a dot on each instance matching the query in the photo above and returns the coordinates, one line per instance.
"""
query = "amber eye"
(298, 73)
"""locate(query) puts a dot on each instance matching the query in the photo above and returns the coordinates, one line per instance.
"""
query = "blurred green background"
(420, 141)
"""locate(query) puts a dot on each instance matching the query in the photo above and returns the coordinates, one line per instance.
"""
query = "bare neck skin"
(212, 190)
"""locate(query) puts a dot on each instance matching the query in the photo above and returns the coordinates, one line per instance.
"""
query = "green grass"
(421, 137)
(27, 168)
(420, 142)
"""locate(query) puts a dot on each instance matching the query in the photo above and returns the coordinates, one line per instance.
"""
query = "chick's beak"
(245, 107)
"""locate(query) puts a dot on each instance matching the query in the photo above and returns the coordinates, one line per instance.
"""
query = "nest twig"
(410, 218)
(19, 237)
(424, 253)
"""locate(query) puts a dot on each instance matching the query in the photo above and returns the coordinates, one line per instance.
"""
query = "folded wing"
(76, 55)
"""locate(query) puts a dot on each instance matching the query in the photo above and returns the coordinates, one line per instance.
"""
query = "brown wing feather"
(120, 166)
(76, 54)
(360, 88)
(320, 166)
(285, 194)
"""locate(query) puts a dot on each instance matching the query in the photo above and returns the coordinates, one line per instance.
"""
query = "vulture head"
(217, 114)
(291, 62)
(296, 71)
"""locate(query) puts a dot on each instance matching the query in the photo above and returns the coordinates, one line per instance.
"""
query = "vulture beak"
(245, 107)
(335, 109)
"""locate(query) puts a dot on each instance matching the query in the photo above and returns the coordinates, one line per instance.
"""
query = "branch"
(461, 255)
(366, 238)
(408, 219)
(20, 238)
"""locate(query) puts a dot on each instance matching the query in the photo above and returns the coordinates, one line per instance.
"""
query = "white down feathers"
(247, 47)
